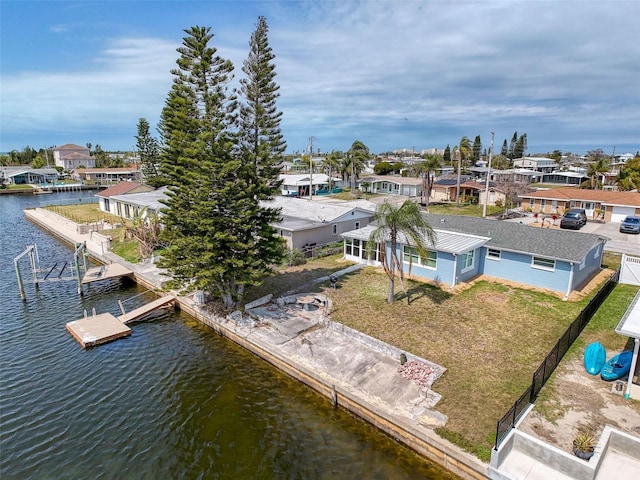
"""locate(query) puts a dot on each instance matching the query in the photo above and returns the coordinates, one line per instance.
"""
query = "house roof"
(517, 237)
(603, 196)
(150, 199)
(392, 179)
(75, 156)
(11, 171)
(629, 325)
(71, 146)
(302, 214)
(445, 241)
(305, 179)
(118, 189)
(106, 170)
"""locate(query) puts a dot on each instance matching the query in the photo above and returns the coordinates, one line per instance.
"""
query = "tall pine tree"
(221, 159)
(198, 125)
(149, 154)
(477, 149)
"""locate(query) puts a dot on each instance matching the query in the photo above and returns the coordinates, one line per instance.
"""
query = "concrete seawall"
(399, 418)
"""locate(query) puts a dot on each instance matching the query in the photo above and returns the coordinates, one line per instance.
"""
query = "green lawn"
(469, 210)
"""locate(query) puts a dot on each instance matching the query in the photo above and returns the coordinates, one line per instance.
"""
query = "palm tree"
(392, 223)
(462, 151)
(355, 160)
(595, 171)
(426, 168)
(330, 164)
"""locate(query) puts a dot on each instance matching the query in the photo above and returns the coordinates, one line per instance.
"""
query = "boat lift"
(59, 272)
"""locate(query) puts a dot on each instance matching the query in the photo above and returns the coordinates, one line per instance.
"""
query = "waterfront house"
(466, 247)
(120, 207)
(105, 176)
(298, 185)
(25, 175)
(71, 156)
(610, 206)
(306, 223)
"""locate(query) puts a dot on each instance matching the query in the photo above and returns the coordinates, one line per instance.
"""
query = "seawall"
(396, 423)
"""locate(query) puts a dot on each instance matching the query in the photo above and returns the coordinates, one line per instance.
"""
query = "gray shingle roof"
(516, 237)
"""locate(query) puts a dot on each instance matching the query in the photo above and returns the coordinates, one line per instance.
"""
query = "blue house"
(466, 247)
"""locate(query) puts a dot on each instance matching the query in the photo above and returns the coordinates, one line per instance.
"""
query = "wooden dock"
(103, 328)
(104, 272)
(146, 309)
(96, 330)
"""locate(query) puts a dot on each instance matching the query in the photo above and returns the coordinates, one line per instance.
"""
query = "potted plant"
(584, 444)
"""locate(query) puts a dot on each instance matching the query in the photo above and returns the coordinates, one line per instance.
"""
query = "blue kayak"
(617, 366)
(594, 357)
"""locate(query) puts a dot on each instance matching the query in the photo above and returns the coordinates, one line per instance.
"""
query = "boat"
(594, 357)
(617, 366)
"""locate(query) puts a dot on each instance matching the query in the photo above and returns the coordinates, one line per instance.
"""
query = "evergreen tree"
(504, 151)
(512, 146)
(521, 146)
(446, 157)
(206, 190)
(149, 154)
(262, 149)
(477, 149)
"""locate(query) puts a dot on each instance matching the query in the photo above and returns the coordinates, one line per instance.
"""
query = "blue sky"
(392, 74)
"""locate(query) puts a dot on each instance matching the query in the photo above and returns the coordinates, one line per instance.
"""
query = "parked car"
(574, 218)
(630, 225)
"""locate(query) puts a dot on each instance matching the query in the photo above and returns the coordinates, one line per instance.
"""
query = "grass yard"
(477, 334)
(84, 213)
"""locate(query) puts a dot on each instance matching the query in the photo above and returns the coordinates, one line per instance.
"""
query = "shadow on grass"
(419, 291)
(297, 279)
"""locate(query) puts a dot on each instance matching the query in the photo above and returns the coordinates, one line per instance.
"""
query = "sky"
(397, 74)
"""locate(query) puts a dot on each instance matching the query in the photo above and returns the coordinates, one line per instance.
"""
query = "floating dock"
(103, 328)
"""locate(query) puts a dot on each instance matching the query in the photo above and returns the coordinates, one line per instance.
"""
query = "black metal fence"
(552, 360)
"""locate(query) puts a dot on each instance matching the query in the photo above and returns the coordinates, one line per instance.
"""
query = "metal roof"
(445, 241)
(145, 199)
(630, 323)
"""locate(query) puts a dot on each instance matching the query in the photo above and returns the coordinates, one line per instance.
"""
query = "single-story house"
(25, 175)
(298, 185)
(120, 207)
(104, 176)
(466, 247)
(304, 222)
(72, 156)
(611, 206)
(130, 205)
(308, 223)
(392, 185)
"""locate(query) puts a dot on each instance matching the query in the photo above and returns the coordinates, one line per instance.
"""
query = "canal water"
(172, 401)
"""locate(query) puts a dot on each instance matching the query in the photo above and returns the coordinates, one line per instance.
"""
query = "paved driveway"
(619, 242)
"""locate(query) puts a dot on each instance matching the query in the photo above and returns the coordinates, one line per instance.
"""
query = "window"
(543, 263)
(494, 254)
(357, 225)
(532, 203)
(356, 247)
(467, 261)
(543, 203)
(411, 255)
(334, 229)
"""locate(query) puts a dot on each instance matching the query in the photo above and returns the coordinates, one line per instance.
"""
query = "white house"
(72, 156)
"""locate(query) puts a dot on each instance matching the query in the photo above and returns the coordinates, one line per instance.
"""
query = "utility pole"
(310, 168)
(486, 189)
(457, 152)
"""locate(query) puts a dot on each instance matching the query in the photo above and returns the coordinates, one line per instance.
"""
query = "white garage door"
(619, 213)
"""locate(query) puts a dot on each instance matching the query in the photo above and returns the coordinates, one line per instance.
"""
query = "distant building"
(539, 164)
(25, 175)
(72, 156)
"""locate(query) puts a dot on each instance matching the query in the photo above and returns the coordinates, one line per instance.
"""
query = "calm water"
(173, 400)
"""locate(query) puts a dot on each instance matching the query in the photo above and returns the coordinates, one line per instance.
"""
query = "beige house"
(604, 205)
(72, 156)
(105, 176)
